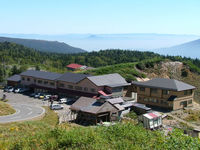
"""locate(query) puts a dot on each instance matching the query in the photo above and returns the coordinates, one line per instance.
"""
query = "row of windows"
(61, 85)
(154, 91)
(79, 88)
(163, 102)
(188, 92)
(164, 92)
(186, 102)
(40, 81)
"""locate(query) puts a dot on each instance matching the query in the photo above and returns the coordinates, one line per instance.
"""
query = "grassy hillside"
(16, 135)
(119, 136)
(44, 46)
(127, 70)
(5, 109)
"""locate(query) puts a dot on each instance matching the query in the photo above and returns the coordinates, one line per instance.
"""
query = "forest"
(16, 58)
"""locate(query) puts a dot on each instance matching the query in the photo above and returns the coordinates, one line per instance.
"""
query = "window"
(142, 89)
(78, 88)
(45, 82)
(165, 92)
(185, 92)
(85, 89)
(62, 85)
(52, 83)
(190, 102)
(34, 80)
(155, 100)
(70, 86)
(93, 90)
(154, 91)
(28, 79)
(23, 78)
(190, 91)
(39, 81)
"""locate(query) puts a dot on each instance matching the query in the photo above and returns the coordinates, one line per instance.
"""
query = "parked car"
(32, 94)
(6, 89)
(37, 95)
(17, 90)
(47, 97)
(10, 89)
(56, 107)
(23, 90)
(41, 96)
(62, 101)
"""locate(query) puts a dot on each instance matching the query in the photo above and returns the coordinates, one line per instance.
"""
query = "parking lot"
(28, 107)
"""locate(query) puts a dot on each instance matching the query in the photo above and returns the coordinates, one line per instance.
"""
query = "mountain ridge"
(191, 49)
(44, 45)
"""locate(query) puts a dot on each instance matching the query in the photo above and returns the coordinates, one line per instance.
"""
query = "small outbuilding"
(74, 67)
(152, 120)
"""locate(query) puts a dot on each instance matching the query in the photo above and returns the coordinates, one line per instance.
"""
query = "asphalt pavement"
(23, 112)
(27, 108)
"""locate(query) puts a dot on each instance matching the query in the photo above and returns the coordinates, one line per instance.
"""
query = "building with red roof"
(74, 66)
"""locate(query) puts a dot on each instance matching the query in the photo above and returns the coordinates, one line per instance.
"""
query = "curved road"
(23, 112)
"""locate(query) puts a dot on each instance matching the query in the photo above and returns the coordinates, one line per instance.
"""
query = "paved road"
(26, 108)
(23, 112)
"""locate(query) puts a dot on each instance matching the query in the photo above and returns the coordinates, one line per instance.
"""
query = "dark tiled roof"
(82, 102)
(15, 78)
(108, 79)
(163, 83)
(41, 74)
(72, 77)
(91, 105)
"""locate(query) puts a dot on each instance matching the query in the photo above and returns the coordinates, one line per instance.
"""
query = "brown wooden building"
(166, 93)
(14, 80)
(93, 111)
(74, 84)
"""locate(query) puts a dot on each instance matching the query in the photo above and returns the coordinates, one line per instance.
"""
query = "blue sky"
(100, 16)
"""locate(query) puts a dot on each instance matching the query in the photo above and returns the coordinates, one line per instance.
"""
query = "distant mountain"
(189, 49)
(44, 46)
(132, 41)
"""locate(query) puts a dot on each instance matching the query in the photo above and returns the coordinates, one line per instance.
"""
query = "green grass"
(13, 134)
(126, 70)
(46, 134)
(5, 109)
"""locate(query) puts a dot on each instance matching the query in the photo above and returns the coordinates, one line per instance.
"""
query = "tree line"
(21, 57)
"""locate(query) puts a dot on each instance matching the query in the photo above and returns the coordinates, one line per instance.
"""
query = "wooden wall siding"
(84, 83)
(31, 82)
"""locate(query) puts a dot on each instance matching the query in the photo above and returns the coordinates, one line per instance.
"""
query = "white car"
(17, 90)
(56, 107)
(63, 100)
(47, 97)
(10, 89)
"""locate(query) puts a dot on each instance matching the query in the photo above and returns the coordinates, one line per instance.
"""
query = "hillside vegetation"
(46, 134)
(5, 109)
(20, 57)
(44, 46)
